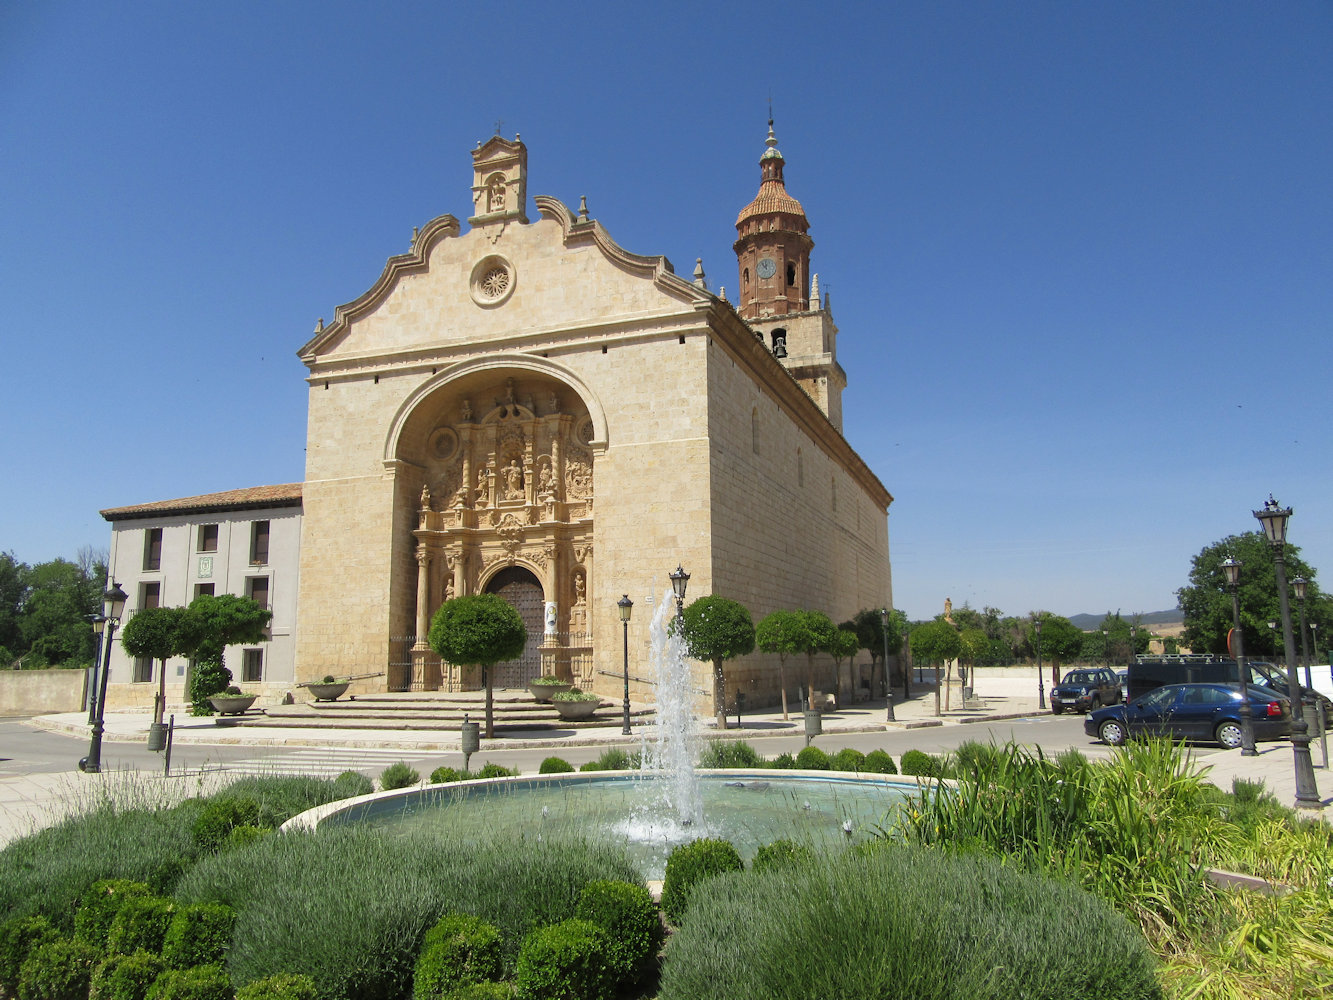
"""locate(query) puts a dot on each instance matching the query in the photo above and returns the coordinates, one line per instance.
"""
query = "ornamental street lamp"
(99, 625)
(626, 607)
(1232, 569)
(113, 606)
(1299, 584)
(678, 581)
(1106, 647)
(1041, 688)
(888, 688)
(1274, 519)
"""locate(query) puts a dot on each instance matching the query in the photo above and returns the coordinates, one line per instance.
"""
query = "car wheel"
(1229, 735)
(1096, 703)
(1112, 732)
(1056, 709)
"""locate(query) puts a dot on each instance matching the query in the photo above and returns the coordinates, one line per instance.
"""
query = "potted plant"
(329, 689)
(576, 704)
(545, 687)
(232, 701)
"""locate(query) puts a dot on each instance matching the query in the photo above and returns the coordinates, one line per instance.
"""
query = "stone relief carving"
(578, 478)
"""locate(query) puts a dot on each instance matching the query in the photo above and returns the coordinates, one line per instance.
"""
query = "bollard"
(470, 738)
(166, 760)
(814, 725)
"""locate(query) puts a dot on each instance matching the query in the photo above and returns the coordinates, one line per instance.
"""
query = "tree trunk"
(782, 679)
(719, 695)
(937, 689)
(490, 716)
(160, 702)
(810, 681)
(948, 682)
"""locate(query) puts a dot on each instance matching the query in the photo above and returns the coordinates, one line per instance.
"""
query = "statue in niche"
(449, 590)
(546, 480)
(425, 497)
(467, 410)
(495, 195)
(578, 589)
(553, 402)
(513, 480)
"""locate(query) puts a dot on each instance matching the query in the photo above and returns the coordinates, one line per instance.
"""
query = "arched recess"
(520, 587)
(493, 466)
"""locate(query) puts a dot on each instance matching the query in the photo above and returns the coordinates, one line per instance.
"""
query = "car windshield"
(1079, 677)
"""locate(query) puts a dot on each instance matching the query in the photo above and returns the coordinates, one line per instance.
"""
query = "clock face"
(767, 267)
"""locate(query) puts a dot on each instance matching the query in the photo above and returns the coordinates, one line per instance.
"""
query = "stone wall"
(41, 692)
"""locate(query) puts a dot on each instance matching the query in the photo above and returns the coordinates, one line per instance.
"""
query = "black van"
(1149, 673)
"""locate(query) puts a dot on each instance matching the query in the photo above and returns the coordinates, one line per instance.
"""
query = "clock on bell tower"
(772, 248)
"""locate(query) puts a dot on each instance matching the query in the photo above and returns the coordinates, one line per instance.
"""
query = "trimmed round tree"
(935, 642)
(780, 632)
(480, 630)
(843, 645)
(156, 633)
(817, 635)
(717, 629)
(209, 625)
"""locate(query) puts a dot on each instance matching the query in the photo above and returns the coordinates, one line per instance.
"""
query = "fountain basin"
(749, 807)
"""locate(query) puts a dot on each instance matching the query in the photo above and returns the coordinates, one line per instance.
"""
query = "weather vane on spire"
(499, 124)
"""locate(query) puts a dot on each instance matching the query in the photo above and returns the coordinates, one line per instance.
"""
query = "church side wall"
(792, 530)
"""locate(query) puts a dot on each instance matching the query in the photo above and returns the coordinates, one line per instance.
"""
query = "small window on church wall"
(800, 468)
(833, 486)
(745, 278)
(754, 430)
(791, 275)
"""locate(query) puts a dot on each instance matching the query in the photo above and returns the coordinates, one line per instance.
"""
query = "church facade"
(523, 407)
(529, 409)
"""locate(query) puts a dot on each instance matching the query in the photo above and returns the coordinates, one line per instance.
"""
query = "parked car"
(1196, 712)
(1123, 677)
(1086, 690)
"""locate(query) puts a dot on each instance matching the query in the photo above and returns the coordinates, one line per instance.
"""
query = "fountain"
(665, 803)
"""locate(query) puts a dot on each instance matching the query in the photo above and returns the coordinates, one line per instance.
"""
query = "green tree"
(717, 629)
(159, 633)
(1206, 600)
(780, 632)
(973, 648)
(13, 595)
(935, 642)
(478, 630)
(842, 644)
(210, 624)
(817, 631)
(868, 625)
(59, 596)
(1061, 641)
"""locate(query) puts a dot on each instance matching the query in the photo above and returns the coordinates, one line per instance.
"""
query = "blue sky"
(1079, 254)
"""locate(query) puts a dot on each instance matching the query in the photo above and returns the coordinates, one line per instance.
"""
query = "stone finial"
(699, 280)
(320, 325)
(415, 231)
(814, 288)
(583, 208)
(722, 293)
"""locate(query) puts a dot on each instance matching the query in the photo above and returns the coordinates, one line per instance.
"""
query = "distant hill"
(1173, 617)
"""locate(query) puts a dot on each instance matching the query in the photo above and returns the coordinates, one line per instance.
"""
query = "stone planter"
(329, 692)
(232, 704)
(545, 692)
(577, 709)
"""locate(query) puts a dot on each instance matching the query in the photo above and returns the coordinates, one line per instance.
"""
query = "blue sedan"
(1195, 712)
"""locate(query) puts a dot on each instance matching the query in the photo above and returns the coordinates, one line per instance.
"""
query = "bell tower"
(772, 248)
(779, 296)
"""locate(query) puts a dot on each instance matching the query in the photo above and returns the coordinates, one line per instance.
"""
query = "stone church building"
(521, 406)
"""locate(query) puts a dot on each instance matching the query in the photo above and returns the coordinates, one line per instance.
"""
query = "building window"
(150, 594)
(152, 549)
(754, 430)
(258, 543)
(200, 589)
(208, 538)
(791, 275)
(256, 588)
(143, 669)
(252, 665)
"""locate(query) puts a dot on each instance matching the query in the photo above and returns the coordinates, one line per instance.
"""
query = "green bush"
(490, 770)
(783, 762)
(879, 762)
(283, 986)
(628, 916)
(555, 765)
(199, 934)
(57, 970)
(919, 764)
(730, 753)
(244, 836)
(904, 922)
(350, 784)
(458, 950)
(813, 759)
(49, 872)
(99, 906)
(18, 937)
(781, 854)
(125, 977)
(444, 775)
(398, 775)
(612, 759)
(350, 907)
(848, 759)
(565, 961)
(218, 818)
(973, 757)
(482, 991)
(280, 797)
(140, 924)
(689, 864)
(203, 982)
